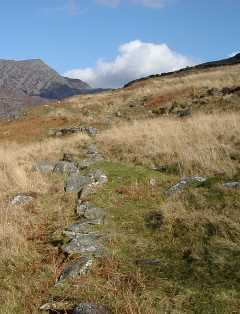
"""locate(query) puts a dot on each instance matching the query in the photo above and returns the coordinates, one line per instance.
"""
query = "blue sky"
(74, 35)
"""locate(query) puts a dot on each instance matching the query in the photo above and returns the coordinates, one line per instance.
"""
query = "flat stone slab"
(76, 182)
(65, 167)
(88, 211)
(21, 199)
(98, 177)
(88, 308)
(233, 184)
(44, 167)
(78, 268)
(184, 182)
(57, 306)
(83, 244)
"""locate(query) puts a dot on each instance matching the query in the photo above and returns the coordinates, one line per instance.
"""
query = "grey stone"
(87, 308)
(66, 167)
(91, 131)
(44, 167)
(68, 157)
(98, 177)
(90, 212)
(76, 182)
(57, 306)
(184, 182)
(233, 184)
(78, 268)
(21, 199)
(83, 244)
(85, 163)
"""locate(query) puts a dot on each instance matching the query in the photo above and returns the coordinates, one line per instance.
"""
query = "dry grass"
(200, 144)
(16, 176)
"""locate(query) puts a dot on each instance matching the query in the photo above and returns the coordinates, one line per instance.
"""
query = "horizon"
(89, 41)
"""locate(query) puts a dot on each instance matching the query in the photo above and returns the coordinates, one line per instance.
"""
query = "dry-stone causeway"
(83, 243)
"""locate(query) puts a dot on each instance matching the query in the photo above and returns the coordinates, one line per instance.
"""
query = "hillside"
(125, 202)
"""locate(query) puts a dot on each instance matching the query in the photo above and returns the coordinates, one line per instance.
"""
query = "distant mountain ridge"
(31, 82)
(203, 66)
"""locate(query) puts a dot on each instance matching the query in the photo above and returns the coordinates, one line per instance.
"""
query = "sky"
(110, 42)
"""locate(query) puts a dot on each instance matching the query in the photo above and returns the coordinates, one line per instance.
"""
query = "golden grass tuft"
(200, 144)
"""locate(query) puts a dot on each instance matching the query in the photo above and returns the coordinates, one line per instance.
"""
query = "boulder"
(83, 244)
(76, 182)
(65, 167)
(78, 268)
(90, 212)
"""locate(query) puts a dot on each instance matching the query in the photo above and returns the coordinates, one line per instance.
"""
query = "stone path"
(84, 243)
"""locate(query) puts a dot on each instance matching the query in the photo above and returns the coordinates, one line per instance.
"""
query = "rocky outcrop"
(73, 130)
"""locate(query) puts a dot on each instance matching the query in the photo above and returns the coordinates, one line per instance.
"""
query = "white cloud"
(135, 59)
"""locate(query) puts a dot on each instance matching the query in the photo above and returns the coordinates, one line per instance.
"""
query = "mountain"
(31, 82)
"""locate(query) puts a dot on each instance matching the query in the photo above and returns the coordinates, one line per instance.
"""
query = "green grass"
(198, 246)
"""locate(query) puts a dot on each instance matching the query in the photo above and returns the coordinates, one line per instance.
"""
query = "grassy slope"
(196, 238)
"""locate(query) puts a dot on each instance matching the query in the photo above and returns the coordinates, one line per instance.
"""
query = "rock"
(21, 199)
(65, 167)
(78, 268)
(76, 182)
(78, 228)
(85, 163)
(91, 131)
(57, 306)
(233, 184)
(83, 244)
(98, 177)
(44, 167)
(87, 308)
(87, 211)
(68, 157)
(185, 182)
(72, 130)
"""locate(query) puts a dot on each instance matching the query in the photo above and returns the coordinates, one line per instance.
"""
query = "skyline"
(108, 42)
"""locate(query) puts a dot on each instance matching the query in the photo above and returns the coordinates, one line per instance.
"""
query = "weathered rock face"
(32, 82)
